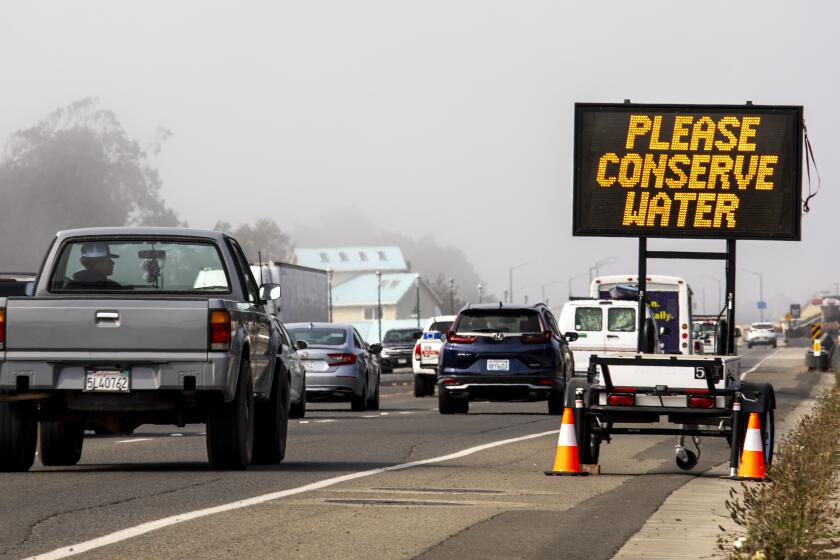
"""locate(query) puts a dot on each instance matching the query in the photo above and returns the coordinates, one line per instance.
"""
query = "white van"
(604, 327)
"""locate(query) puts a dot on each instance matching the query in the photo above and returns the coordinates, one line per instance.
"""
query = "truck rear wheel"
(230, 426)
(61, 443)
(18, 434)
(430, 385)
(420, 389)
(298, 409)
(271, 422)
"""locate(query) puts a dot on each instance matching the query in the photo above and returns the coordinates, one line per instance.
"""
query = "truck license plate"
(107, 381)
(498, 365)
(402, 360)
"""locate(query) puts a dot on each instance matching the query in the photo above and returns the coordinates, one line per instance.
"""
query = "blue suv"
(504, 353)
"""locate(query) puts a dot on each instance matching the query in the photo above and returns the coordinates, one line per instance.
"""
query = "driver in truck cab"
(98, 263)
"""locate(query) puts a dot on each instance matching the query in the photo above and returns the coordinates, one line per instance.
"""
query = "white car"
(426, 354)
(604, 327)
(761, 333)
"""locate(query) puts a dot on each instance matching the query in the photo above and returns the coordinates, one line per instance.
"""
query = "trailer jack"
(686, 459)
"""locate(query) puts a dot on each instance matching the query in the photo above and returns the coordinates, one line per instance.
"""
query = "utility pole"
(451, 296)
(417, 307)
(329, 293)
(379, 301)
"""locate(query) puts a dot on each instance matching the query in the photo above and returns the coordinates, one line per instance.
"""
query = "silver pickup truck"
(131, 326)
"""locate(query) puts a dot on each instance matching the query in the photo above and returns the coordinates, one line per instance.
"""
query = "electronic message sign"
(710, 171)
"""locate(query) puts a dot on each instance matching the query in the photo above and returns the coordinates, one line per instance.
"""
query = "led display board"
(705, 171)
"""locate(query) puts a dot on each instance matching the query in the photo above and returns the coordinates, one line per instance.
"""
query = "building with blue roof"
(399, 294)
(347, 262)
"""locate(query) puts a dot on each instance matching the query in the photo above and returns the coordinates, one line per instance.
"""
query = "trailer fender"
(571, 390)
(758, 397)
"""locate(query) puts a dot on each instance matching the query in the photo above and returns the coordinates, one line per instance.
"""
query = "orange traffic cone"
(751, 466)
(566, 460)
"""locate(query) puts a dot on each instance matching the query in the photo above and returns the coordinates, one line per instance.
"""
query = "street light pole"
(510, 278)
(760, 290)
(417, 308)
(379, 301)
(329, 293)
(480, 292)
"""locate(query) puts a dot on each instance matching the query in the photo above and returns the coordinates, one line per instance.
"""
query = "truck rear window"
(440, 326)
(499, 320)
(139, 265)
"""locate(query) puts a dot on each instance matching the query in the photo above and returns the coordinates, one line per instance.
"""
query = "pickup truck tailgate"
(34, 324)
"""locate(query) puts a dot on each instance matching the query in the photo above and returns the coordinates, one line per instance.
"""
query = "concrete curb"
(686, 525)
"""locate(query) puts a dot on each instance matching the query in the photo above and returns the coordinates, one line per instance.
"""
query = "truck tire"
(420, 389)
(60, 443)
(298, 409)
(450, 405)
(271, 423)
(230, 426)
(358, 403)
(430, 385)
(18, 435)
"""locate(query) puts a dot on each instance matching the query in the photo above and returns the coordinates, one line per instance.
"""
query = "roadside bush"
(794, 516)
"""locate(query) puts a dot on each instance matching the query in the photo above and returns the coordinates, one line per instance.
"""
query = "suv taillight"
(219, 329)
(2, 328)
(452, 336)
(536, 338)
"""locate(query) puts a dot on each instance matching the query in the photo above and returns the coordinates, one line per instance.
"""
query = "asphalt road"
(486, 503)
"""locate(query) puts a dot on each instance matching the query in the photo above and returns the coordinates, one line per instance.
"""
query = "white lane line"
(176, 435)
(406, 412)
(325, 421)
(304, 422)
(759, 364)
(370, 416)
(383, 414)
(150, 526)
(134, 440)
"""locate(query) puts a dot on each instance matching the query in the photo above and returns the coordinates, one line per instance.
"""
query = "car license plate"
(498, 365)
(315, 365)
(402, 361)
(107, 381)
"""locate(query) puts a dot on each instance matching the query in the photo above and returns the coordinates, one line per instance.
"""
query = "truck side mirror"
(570, 336)
(269, 292)
(301, 344)
(737, 332)
(375, 348)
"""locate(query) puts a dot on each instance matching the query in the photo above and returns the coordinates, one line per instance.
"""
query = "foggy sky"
(449, 118)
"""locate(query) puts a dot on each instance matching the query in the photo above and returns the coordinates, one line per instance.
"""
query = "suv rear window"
(499, 320)
(621, 319)
(763, 326)
(589, 319)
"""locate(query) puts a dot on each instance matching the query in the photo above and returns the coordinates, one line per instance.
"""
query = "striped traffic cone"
(751, 466)
(566, 459)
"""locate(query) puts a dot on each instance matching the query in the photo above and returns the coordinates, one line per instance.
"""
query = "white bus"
(670, 303)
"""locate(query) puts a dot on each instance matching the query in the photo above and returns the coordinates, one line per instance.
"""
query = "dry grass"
(794, 516)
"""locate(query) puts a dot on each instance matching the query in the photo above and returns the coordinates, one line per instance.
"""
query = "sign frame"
(795, 216)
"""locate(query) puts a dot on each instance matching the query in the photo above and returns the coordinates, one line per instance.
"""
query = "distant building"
(356, 299)
(348, 262)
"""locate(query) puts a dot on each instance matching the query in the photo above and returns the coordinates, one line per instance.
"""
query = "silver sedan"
(339, 365)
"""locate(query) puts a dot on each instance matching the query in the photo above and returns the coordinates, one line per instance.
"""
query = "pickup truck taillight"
(2, 328)
(452, 336)
(417, 351)
(219, 329)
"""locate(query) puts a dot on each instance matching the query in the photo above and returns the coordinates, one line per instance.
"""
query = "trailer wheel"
(589, 446)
